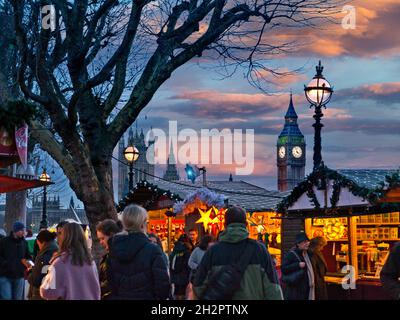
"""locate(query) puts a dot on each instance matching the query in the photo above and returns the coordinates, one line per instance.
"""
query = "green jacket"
(259, 281)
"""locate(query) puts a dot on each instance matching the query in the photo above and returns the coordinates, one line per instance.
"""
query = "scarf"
(310, 272)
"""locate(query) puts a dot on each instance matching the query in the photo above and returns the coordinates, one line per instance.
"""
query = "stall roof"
(348, 191)
(368, 178)
(12, 184)
(241, 193)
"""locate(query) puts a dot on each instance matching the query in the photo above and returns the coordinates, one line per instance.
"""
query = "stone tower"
(291, 152)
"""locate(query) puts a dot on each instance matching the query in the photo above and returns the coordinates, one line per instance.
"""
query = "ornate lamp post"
(131, 154)
(318, 92)
(45, 178)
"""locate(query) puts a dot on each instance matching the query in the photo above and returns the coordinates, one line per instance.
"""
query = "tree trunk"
(98, 202)
(15, 209)
(15, 206)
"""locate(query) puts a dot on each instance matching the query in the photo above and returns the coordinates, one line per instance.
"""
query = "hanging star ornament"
(219, 219)
(205, 218)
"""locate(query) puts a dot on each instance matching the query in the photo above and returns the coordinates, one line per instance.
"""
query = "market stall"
(158, 203)
(344, 207)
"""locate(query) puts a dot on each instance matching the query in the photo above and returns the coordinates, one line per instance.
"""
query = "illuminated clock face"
(282, 152)
(297, 152)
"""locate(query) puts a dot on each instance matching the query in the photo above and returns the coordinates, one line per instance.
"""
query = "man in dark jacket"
(136, 269)
(47, 247)
(179, 267)
(14, 254)
(390, 273)
(259, 280)
(297, 267)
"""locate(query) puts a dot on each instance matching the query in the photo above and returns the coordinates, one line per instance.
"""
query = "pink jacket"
(70, 282)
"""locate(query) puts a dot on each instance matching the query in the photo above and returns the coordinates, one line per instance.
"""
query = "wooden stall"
(345, 207)
(158, 203)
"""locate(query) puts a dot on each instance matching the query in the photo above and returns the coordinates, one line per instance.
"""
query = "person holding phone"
(47, 247)
(14, 257)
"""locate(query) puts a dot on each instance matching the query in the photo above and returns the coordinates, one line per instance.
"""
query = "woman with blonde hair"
(137, 268)
(319, 266)
(73, 273)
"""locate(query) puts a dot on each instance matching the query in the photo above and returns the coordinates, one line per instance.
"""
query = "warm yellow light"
(318, 91)
(205, 218)
(44, 177)
(131, 154)
(334, 229)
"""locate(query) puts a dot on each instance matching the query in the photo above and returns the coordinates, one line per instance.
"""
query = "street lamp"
(131, 154)
(318, 93)
(45, 178)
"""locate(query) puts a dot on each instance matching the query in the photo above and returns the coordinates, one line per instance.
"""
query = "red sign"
(21, 141)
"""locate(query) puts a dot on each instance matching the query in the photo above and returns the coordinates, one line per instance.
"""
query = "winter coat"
(320, 268)
(39, 270)
(103, 278)
(178, 260)
(290, 264)
(70, 282)
(390, 273)
(12, 250)
(136, 268)
(259, 280)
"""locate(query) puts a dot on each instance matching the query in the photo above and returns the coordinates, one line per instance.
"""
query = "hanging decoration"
(333, 229)
(213, 219)
(205, 219)
(200, 199)
(339, 182)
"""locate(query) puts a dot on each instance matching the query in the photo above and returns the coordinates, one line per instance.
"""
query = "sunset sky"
(362, 122)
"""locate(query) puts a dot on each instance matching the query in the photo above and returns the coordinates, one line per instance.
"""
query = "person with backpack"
(236, 267)
(297, 271)
(179, 268)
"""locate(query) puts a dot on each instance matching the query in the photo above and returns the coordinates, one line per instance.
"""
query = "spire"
(291, 127)
(171, 156)
(172, 173)
(130, 137)
(291, 113)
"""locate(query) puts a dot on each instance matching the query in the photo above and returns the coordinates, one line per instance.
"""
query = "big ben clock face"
(282, 152)
(297, 152)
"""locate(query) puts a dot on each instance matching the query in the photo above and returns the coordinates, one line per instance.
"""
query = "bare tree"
(102, 49)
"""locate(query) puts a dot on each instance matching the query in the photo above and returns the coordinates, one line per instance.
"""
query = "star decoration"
(219, 217)
(205, 218)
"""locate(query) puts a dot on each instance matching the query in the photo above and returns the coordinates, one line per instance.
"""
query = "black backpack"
(223, 284)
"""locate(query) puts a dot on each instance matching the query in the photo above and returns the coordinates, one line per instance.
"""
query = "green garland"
(15, 113)
(128, 199)
(340, 181)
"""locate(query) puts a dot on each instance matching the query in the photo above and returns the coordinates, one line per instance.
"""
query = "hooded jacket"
(136, 269)
(38, 272)
(12, 250)
(259, 280)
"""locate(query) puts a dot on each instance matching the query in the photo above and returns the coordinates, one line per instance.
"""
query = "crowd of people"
(134, 266)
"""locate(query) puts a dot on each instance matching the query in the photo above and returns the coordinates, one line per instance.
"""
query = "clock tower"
(291, 152)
